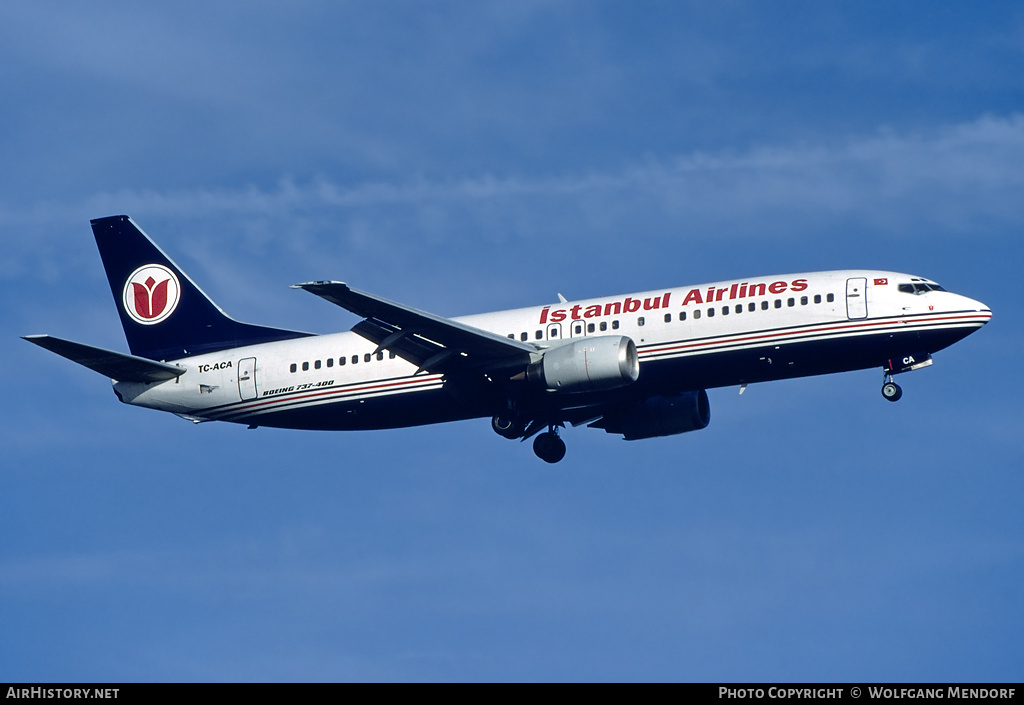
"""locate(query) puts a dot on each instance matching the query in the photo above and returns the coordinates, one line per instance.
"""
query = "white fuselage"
(712, 335)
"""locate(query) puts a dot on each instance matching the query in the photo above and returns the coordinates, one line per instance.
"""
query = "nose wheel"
(890, 390)
(549, 447)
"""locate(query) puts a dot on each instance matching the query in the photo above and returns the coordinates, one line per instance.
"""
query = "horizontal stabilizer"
(119, 366)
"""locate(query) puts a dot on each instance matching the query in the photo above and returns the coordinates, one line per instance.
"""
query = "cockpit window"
(919, 288)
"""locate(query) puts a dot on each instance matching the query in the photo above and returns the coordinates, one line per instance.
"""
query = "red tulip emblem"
(151, 294)
(151, 299)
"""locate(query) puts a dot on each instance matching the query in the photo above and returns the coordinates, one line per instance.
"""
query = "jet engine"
(587, 365)
(659, 416)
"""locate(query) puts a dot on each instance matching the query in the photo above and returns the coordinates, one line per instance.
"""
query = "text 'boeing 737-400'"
(637, 365)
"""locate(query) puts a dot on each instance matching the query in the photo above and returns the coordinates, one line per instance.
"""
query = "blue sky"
(465, 157)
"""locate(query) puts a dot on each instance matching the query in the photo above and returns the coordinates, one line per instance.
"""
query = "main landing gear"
(508, 427)
(549, 447)
(890, 390)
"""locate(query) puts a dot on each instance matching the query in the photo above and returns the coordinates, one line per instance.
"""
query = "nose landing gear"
(890, 390)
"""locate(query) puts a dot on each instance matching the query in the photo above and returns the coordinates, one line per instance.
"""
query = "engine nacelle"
(587, 365)
(659, 416)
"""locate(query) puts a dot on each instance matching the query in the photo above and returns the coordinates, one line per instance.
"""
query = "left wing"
(432, 343)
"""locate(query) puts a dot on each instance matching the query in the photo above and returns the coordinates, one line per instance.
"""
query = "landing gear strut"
(549, 447)
(890, 390)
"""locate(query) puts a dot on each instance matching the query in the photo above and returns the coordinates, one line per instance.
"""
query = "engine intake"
(659, 416)
(587, 365)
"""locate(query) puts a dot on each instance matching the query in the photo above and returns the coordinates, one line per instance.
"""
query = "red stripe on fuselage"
(330, 391)
(805, 330)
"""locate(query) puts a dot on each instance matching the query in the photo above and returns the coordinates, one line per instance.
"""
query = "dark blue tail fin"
(164, 314)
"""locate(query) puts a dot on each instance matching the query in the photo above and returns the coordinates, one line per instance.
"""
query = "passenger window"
(316, 365)
(523, 336)
(803, 300)
(711, 312)
(305, 366)
(725, 310)
(342, 360)
(791, 302)
(590, 328)
(668, 318)
(778, 303)
(294, 367)
(751, 307)
(355, 359)
(682, 315)
(539, 335)
(817, 298)
(830, 298)
(615, 325)
(604, 325)
(367, 357)
(392, 355)
(640, 321)
(330, 362)
(739, 308)
(380, 355)
(696, 314)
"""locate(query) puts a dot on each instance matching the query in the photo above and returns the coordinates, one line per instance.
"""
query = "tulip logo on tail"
(151, 294)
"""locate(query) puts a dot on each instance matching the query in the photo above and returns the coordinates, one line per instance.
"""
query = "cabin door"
(856, 298)
(247, 378)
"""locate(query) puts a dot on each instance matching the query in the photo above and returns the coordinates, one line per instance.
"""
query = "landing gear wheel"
(507, 427)
(549, 447)
(892, 391)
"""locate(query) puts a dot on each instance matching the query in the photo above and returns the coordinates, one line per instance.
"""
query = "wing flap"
(404, 343)
(119, 366)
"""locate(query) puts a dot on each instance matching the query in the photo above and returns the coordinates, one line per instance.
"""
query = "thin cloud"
(963, 172)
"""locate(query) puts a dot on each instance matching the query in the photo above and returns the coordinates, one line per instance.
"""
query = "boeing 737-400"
(637, 365)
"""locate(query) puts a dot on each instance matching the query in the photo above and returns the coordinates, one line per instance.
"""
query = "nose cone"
(956, 318)
(982, 314)
(980, 308)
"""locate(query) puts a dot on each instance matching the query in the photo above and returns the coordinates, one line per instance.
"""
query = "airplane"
(637, 365)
